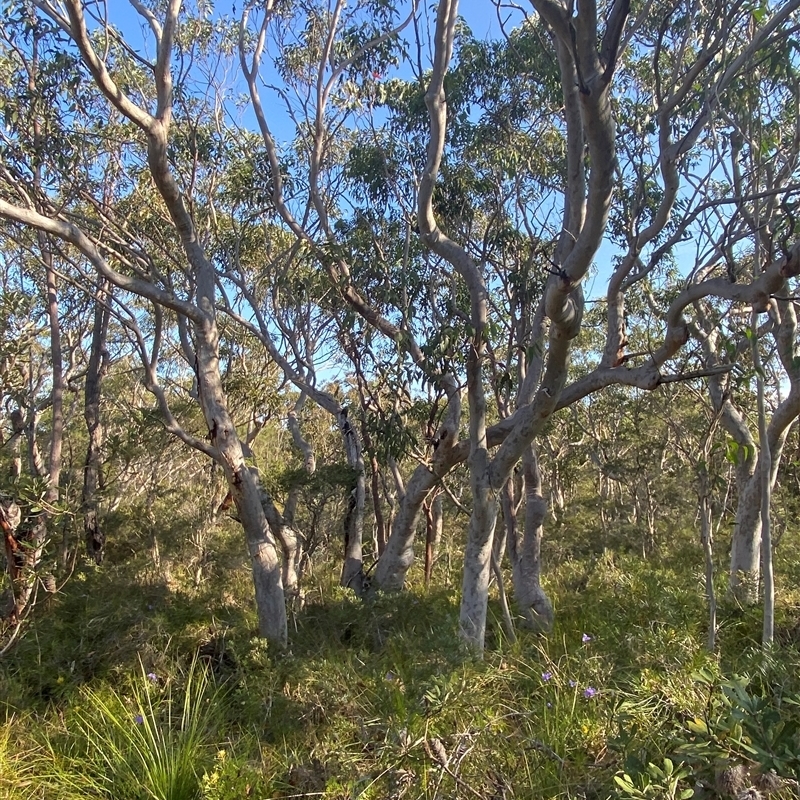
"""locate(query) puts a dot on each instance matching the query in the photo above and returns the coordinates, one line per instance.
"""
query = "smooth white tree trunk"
(745, 567)
(477, 555)
(533, 603)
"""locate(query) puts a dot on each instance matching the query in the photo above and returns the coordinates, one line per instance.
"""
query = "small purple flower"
(152, 677)
(572, 684)
(549, 705)
(586, 638)
(546, 676)
(138, 719)
(589, 692)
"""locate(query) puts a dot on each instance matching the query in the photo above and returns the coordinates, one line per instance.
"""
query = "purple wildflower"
(549, 705)
(138, 719)
(546, 676)
(152, 677)
(586, 638)
(572, 684)
(589, 692)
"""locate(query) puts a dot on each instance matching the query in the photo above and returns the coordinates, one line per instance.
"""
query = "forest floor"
(133, 683)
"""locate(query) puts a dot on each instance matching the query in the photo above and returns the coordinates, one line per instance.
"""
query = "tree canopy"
(290, 218)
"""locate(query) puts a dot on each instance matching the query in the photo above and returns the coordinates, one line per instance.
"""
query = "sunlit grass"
(152, 741)
(18, 756)
(376, 700)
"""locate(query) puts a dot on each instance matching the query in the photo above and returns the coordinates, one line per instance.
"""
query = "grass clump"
(154, 741)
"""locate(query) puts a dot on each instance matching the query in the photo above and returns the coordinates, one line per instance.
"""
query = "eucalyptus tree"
(748, 215)
(595, 124)
(285, 307)
(43, 357)
(43, 75)
(331, 62)
(696, 56)
(156, 251)
(96, 369)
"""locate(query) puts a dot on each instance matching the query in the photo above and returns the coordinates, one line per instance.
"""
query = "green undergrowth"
(130, 688)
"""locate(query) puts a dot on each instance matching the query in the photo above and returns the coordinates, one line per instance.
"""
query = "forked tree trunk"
(244, 487)
(291, 542)
(397, 558)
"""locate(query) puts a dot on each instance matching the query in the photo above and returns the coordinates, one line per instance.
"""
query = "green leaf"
(697, 725)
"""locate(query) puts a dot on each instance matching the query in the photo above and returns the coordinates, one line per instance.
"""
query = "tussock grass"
(153, 738)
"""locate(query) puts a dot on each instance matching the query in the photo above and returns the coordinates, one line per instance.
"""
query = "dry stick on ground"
(435, 749)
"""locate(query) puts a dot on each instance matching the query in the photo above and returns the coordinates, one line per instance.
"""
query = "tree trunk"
(707, 540)
(763, 476)
(480, 535)
(266, 565)
(498, 547)
(37, 535)
(746, 543)
(477, 555)
(397, 558)
(15, 557)
(381, 536)
(291, 542)
(525, 556)
(390, 574)
(14, 444)
(244, 488)
(353, 567)
(94, 537)
(433, 533)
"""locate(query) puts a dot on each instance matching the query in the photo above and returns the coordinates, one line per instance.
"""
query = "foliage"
(328, 282)
(746, 719)
(661, 782)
